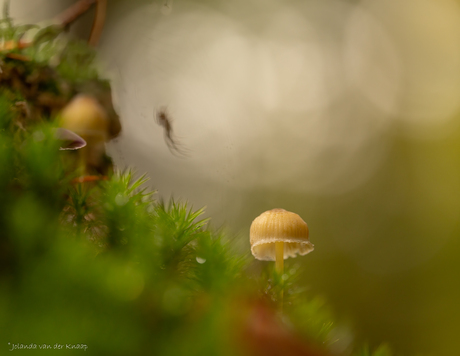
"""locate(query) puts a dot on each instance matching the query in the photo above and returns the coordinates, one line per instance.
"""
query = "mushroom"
(278, 234)
(88, 119)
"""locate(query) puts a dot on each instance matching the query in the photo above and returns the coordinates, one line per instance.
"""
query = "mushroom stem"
(279, 256)
(81, 168)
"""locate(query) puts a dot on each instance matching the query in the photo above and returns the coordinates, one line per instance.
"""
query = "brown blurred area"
(345, 112)
(263, 333)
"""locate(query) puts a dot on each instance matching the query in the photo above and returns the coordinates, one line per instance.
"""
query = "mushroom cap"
(279, 225)
(70, 140)
(86, 117)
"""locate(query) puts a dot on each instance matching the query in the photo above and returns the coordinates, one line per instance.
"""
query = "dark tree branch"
(81, 7)
(70, 15)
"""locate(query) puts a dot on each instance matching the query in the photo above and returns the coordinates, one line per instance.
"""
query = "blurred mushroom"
(102, 92)
(88, 119)
(278, 234)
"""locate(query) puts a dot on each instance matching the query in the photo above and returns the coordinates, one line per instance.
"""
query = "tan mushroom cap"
(86, 117)
(279, 225)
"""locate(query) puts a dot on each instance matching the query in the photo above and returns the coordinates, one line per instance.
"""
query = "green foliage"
(8, 31)
(77, 62)
(105, 264)
(72, 59)
(309, 314)
(215, 250)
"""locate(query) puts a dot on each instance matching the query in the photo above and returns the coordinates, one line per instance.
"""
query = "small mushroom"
(88, 119)
(278, 234)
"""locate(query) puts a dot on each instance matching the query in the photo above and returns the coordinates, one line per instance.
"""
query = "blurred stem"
(279, 259)
(81, 167)
(81, 7)
(98, 24)
(74, 12)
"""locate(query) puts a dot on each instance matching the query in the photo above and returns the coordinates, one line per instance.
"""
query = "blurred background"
(345, 112)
